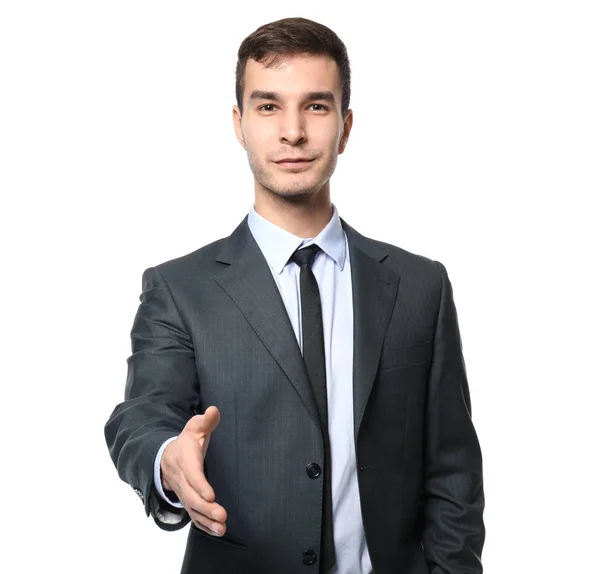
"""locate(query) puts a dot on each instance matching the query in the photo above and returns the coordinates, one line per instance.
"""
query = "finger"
(201, 526)
(193, 501)
(210, 526)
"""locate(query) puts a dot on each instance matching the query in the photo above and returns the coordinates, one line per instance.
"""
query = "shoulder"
(191, 267)
(400, 260)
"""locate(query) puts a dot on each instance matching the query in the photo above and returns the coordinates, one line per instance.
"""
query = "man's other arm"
(452, 498)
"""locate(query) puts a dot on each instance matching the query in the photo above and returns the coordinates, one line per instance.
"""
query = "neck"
(304, 216)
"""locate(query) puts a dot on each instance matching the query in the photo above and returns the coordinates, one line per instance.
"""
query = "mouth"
(294, 163)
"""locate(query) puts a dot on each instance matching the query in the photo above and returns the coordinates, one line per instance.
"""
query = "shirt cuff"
(157, 481)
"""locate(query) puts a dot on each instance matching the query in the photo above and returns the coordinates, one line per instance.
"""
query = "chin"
(292, 189)
(299, 192)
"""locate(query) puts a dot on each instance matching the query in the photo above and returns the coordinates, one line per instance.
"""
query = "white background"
(476, 142)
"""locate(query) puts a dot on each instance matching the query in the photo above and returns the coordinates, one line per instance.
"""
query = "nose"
(292, 128)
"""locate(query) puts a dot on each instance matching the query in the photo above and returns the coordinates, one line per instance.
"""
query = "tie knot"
(306, 255)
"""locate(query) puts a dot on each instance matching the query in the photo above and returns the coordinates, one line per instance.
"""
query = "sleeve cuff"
(157, 481)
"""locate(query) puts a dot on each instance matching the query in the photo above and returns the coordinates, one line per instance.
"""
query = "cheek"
(259, 134)
(331, 145)
(330, 138)
(259, 146)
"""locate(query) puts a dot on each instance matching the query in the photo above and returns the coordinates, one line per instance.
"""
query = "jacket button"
(309, 557)
(313, 470)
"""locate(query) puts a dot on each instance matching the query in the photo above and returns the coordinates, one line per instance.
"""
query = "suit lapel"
(249, 282)
(374, 288)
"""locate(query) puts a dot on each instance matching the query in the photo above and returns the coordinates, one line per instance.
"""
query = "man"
(297, 390)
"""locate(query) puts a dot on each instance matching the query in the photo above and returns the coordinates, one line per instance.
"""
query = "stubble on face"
(290, 129)
(294, 189)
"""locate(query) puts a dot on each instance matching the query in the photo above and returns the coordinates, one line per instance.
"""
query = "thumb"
(210, 420)
(203, 425)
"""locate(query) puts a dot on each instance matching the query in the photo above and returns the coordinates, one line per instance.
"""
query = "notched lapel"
(250, 284)
(374, 289)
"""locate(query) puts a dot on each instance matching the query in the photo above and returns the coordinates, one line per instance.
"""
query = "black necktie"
(314, 357)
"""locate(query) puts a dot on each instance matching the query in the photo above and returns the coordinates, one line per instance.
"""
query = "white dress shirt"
(332, 271)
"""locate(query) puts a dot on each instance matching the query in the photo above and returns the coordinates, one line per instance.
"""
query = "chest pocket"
(415, 354)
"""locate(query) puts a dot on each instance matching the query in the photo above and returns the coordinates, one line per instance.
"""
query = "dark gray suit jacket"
(212, 329)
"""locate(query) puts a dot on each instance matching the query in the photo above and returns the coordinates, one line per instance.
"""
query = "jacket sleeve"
(161, 395)
(452, 496)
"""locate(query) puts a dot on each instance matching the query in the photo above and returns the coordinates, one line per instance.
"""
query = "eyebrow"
(307, 96)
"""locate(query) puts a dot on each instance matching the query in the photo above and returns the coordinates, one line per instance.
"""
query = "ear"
(237, 126)
(346, 131)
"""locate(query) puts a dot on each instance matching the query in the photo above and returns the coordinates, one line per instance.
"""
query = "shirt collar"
(277, 244)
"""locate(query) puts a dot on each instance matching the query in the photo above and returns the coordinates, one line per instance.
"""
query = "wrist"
(163, 470)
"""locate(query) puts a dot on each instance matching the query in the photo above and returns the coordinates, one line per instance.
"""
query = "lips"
(294, 165)
(294, 160)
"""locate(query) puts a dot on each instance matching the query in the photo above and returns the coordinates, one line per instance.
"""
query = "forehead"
(294, 74)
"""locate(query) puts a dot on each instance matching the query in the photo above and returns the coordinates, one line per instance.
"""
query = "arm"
(161, 395)
(452, 497)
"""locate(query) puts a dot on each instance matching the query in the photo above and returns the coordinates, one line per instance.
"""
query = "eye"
(319, 107)
(267, 108)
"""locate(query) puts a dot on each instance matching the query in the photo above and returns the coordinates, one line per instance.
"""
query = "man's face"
(292, 112)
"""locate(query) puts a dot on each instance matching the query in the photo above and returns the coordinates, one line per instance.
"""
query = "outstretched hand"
(182, 471)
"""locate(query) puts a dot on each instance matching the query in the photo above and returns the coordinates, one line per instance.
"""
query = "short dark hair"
(272, 43)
